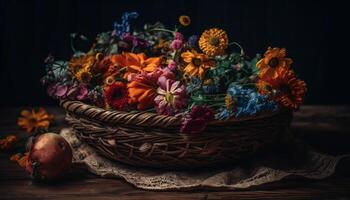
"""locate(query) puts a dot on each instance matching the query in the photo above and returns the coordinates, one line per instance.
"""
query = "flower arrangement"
(200, 78)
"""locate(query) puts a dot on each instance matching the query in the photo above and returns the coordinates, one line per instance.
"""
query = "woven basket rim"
(146, 119)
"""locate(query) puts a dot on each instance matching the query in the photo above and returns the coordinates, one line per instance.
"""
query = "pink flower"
(197, 120)
(172, 65)
(176, 44)
(179, 36)
(73, 92)
(171, 97)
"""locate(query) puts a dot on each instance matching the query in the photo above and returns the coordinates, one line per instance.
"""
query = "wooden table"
(326, 128)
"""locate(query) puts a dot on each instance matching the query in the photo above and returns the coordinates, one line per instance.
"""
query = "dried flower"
(20, 159)
(8, 142)
(34, 119)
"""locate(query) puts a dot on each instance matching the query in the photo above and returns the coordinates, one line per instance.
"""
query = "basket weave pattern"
(152, 140)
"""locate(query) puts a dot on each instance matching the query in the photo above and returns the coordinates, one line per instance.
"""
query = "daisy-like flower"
(274, 59)
(171, 97)
(213, 42)
(78, 63)
(33, 120)
(116, 95)
(290, 91)
(184, 20)
(197, 63)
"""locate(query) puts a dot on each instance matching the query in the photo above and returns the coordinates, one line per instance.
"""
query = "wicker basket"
(152, 140)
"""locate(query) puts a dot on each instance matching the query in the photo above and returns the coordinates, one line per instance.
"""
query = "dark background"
(315, 34)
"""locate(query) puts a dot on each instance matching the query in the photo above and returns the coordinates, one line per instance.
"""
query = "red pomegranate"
(50, 157)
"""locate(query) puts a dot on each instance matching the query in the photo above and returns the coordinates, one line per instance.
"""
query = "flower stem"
(239, 46)
(163, 29)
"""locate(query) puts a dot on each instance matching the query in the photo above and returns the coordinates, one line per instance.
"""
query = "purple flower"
(135, 41)
(197, 119)
(171, 97)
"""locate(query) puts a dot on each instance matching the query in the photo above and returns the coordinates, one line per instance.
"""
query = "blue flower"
(193, 41)
(124, 27)
(248, 103)
(194, 84)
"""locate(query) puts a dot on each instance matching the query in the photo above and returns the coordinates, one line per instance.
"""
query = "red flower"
(197, 120)
(116, 95)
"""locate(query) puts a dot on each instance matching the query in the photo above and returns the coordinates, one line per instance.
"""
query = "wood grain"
(325, 128)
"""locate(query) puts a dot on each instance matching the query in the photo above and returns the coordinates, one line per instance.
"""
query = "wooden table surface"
(325, 128)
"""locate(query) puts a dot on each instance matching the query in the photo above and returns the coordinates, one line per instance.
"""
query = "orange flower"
(142, 90)
(32, 120)
(82, 62)
(213, 42)
(137, 63)
(274, 59)
(289, 91)
(8, 142)
(197, 63)
(20, 159)
(264, 87)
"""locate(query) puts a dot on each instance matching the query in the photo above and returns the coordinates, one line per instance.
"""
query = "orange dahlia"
(289, 91)
(274, 58)
(213, 42)
(197, 63)
(32, 120)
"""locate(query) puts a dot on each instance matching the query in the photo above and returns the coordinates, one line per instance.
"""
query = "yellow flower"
(32, 120)
(213, 42)
(228, 102)
(84, 75)
(185, 20)
(197, 63)
(78, 63)
(8, 142)
(274, 59)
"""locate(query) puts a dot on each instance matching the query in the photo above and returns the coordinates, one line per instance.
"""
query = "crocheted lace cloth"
(267, 168)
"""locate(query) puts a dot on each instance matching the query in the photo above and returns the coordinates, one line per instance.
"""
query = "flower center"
(214, 41)
(169, 97)
(273, 62)
(117, 94)
(285, 89)
(196, 62)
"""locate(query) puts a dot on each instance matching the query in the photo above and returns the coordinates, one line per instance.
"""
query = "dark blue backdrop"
(314, 33)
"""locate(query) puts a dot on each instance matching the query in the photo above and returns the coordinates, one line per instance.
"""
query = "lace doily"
(266, 169)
